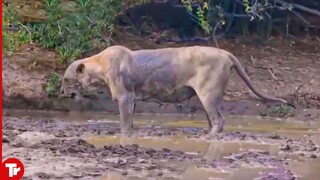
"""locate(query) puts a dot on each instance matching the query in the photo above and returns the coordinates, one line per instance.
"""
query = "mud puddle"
(204, 150)
(89, 146)
(212, 149)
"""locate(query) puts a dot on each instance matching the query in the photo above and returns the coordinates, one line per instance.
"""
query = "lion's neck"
(94, 70)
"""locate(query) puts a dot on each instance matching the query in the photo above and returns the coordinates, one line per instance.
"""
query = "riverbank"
(278, 67)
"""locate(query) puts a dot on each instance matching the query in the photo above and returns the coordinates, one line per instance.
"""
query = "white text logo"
(13, 170)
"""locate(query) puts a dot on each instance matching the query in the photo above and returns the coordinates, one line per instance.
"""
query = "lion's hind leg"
(210, 90)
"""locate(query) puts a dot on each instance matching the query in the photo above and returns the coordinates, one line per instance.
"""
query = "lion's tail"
(240, 70)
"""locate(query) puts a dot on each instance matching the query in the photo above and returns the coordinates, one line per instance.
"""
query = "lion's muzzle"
(64, 93)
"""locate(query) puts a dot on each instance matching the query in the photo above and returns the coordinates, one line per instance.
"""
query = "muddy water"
(255, 134)
(233, 122)
(307, 170)
(194, 173)
(208, 150)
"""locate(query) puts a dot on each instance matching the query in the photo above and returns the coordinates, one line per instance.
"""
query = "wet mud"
(89, 146)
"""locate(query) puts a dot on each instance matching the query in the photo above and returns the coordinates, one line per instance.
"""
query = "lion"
(166, 74)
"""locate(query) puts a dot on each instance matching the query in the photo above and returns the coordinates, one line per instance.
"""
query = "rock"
(313, 156)
(76, 175)
(5, 139)
(29, 139)
(123, 172)
(93, 173)
(42, 175)
(285, 147)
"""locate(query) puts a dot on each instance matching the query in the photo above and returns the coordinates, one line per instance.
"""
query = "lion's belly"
(166, 93)
(160, 79)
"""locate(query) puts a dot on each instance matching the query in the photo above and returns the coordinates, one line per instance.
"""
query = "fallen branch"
(194, 39)
(301, 18)
(298, 6)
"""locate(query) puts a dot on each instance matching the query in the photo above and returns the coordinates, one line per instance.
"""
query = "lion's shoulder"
(118, 47)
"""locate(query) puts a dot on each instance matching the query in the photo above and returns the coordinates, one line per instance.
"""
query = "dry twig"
(218, 25)
(253, 61)
(270, 69)
(298, 6)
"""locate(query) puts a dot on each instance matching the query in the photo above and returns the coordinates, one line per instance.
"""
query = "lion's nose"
(73, 95)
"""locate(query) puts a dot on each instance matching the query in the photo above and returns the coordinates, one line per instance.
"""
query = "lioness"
(168, 74)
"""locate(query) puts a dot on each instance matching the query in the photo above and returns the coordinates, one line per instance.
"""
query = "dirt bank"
(283, 68)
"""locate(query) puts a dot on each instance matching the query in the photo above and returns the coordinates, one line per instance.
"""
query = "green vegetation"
(52, 86)
(281, 111)
(200, 14)
(202, 18)
(14, 33)
(73, 28)
(246, 5)
(81, 27)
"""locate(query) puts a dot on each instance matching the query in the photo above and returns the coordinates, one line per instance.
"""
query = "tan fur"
(168, 74)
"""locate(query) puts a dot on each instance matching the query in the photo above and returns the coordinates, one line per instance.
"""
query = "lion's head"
(74, 80)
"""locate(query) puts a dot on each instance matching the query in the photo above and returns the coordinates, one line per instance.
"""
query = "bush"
(14, 33)
(76, 28)
(52, 86)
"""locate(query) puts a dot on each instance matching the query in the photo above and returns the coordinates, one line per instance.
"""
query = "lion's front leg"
(126, 108)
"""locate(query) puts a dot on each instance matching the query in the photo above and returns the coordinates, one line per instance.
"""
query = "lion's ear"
(80, 69)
